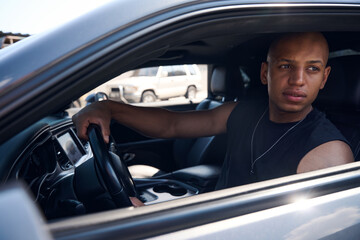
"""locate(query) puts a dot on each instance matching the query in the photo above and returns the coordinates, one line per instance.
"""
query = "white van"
(163, 82)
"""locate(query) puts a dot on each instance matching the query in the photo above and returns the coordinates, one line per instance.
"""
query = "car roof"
(110, 18)
(57, 43)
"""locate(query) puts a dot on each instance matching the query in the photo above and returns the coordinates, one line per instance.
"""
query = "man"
(266, 140)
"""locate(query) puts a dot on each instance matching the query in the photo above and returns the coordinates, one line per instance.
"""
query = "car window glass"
(169, 70)
(154, 86)
(179, 70)
(150, 72)
(191, 69)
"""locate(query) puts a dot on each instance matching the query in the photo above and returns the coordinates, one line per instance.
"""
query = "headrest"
(342, 89)
(227, 82)
(218, 81)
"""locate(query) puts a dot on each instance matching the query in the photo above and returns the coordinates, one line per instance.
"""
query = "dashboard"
(58, 168)
(44, 157)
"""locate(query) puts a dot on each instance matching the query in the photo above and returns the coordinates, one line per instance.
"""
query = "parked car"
(69, 194)
(160, 82)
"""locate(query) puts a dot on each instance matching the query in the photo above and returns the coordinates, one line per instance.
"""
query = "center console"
(153, 191)
(178, 184)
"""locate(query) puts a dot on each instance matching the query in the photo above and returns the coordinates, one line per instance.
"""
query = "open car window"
(154, 86)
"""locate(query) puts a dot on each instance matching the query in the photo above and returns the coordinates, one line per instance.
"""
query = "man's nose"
(296, 76)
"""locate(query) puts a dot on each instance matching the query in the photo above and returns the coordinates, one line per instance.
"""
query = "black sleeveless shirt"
(295, 140)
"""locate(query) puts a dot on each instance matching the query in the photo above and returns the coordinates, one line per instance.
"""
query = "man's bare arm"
(326, 155)
(153, 122)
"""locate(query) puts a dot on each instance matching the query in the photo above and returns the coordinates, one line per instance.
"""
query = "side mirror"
(96, 97)
(101, 96)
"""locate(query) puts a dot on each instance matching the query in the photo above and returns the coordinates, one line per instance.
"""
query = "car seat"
(204, 150)
(340, 99)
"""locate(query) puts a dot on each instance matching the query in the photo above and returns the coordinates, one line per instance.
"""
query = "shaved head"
(312, 38)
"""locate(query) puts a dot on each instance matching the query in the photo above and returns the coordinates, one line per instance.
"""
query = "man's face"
(295, 72)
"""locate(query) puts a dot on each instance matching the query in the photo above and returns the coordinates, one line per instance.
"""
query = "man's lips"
(294, 95)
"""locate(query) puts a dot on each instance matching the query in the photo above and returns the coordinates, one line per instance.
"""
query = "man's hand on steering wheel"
(98, 113)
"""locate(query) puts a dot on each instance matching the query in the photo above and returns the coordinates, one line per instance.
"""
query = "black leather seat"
(198, 151)
(340, 99)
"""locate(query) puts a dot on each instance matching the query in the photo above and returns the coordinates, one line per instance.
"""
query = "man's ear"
(326, 75)
(263, 73)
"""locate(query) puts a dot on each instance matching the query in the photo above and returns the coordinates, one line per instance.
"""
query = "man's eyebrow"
(315, 61)
(285, 60)
(309, 62)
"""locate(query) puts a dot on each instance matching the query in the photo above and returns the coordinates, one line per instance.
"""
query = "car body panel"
(334, 216)
(17, 203)
(215, 207)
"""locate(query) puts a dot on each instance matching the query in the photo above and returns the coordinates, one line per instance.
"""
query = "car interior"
(65, 180)
(199, 151)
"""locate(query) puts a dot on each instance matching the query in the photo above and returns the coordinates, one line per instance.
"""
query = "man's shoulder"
(321, 122)
(326, 155)
(321, 129)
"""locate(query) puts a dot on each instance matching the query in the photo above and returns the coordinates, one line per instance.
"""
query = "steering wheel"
(112, 172)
